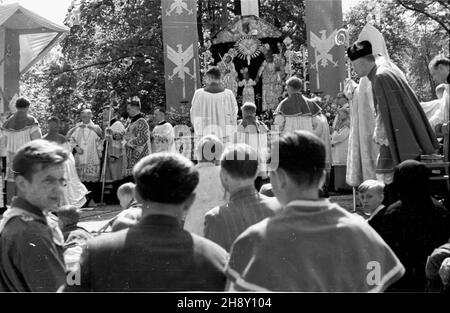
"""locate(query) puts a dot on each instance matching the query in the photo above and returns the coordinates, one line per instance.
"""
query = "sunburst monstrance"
(248, 47)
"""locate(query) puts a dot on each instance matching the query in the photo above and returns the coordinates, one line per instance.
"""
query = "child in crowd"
(131, 210)
(371, 196)
(248, 94)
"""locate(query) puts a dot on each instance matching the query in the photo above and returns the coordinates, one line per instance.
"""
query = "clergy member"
(115, 158)
(401, 127)
(214, 109)
(18, 130)
(296, 112)
(86, 139)
(163, 135)
(137, 137)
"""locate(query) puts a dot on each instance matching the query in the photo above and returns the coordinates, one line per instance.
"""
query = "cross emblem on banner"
(181, 58)
(322, 46)
(179, 6)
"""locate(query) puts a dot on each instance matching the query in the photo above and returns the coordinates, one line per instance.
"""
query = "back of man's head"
(213, 73)
(301, 155)
(295, 83)
(248, 109)
(165, 178)
(22, 103)
(240, 162)
(68, 215)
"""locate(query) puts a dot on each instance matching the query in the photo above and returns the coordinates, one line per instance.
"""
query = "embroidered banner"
(180, 40)
(326, 59)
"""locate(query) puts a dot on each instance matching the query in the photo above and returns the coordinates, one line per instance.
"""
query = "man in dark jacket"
(31, 243)
(156, 254)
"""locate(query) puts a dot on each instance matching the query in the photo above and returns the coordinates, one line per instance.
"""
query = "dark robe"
(413, 226)
(407, 128)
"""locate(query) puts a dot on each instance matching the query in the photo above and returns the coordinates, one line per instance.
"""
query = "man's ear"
(21, 183)
(382, 196)
(224, 179)
(323, 179)
(188, 203)
(283, 179)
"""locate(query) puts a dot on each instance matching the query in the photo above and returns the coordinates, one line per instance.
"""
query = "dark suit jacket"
(154, 255)
(246, 207)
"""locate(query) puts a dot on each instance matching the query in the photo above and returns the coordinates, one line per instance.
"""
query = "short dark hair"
(240, 161)
(22, 103)
(295, 83)
(302, 155)
(439, 60)
(213, 72)
(167, 178)
(161, 109)
(35, 153)
(249, 108)
(134, 102)
(54, 119)
(68, 215)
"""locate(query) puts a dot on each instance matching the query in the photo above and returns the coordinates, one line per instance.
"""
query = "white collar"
(310, 203)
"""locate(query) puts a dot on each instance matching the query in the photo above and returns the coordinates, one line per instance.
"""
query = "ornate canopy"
(246, 26)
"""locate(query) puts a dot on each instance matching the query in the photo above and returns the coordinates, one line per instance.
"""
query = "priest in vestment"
(362, 149)
(86, 138)
(115, 157)
(163, 135)
(254, 133)
(137, 137)
(214, 109)
(401, 127)
(296, 112)
(18, 130)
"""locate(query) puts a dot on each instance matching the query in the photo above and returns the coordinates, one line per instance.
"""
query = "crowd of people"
(248, 213)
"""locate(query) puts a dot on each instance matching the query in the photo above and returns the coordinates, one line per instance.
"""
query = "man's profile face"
(358, 67)
(45, 190)
(440, 73)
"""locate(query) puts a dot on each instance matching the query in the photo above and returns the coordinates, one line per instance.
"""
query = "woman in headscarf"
(414, 225)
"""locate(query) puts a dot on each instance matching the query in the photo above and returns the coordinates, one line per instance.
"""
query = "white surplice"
(214, 114)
